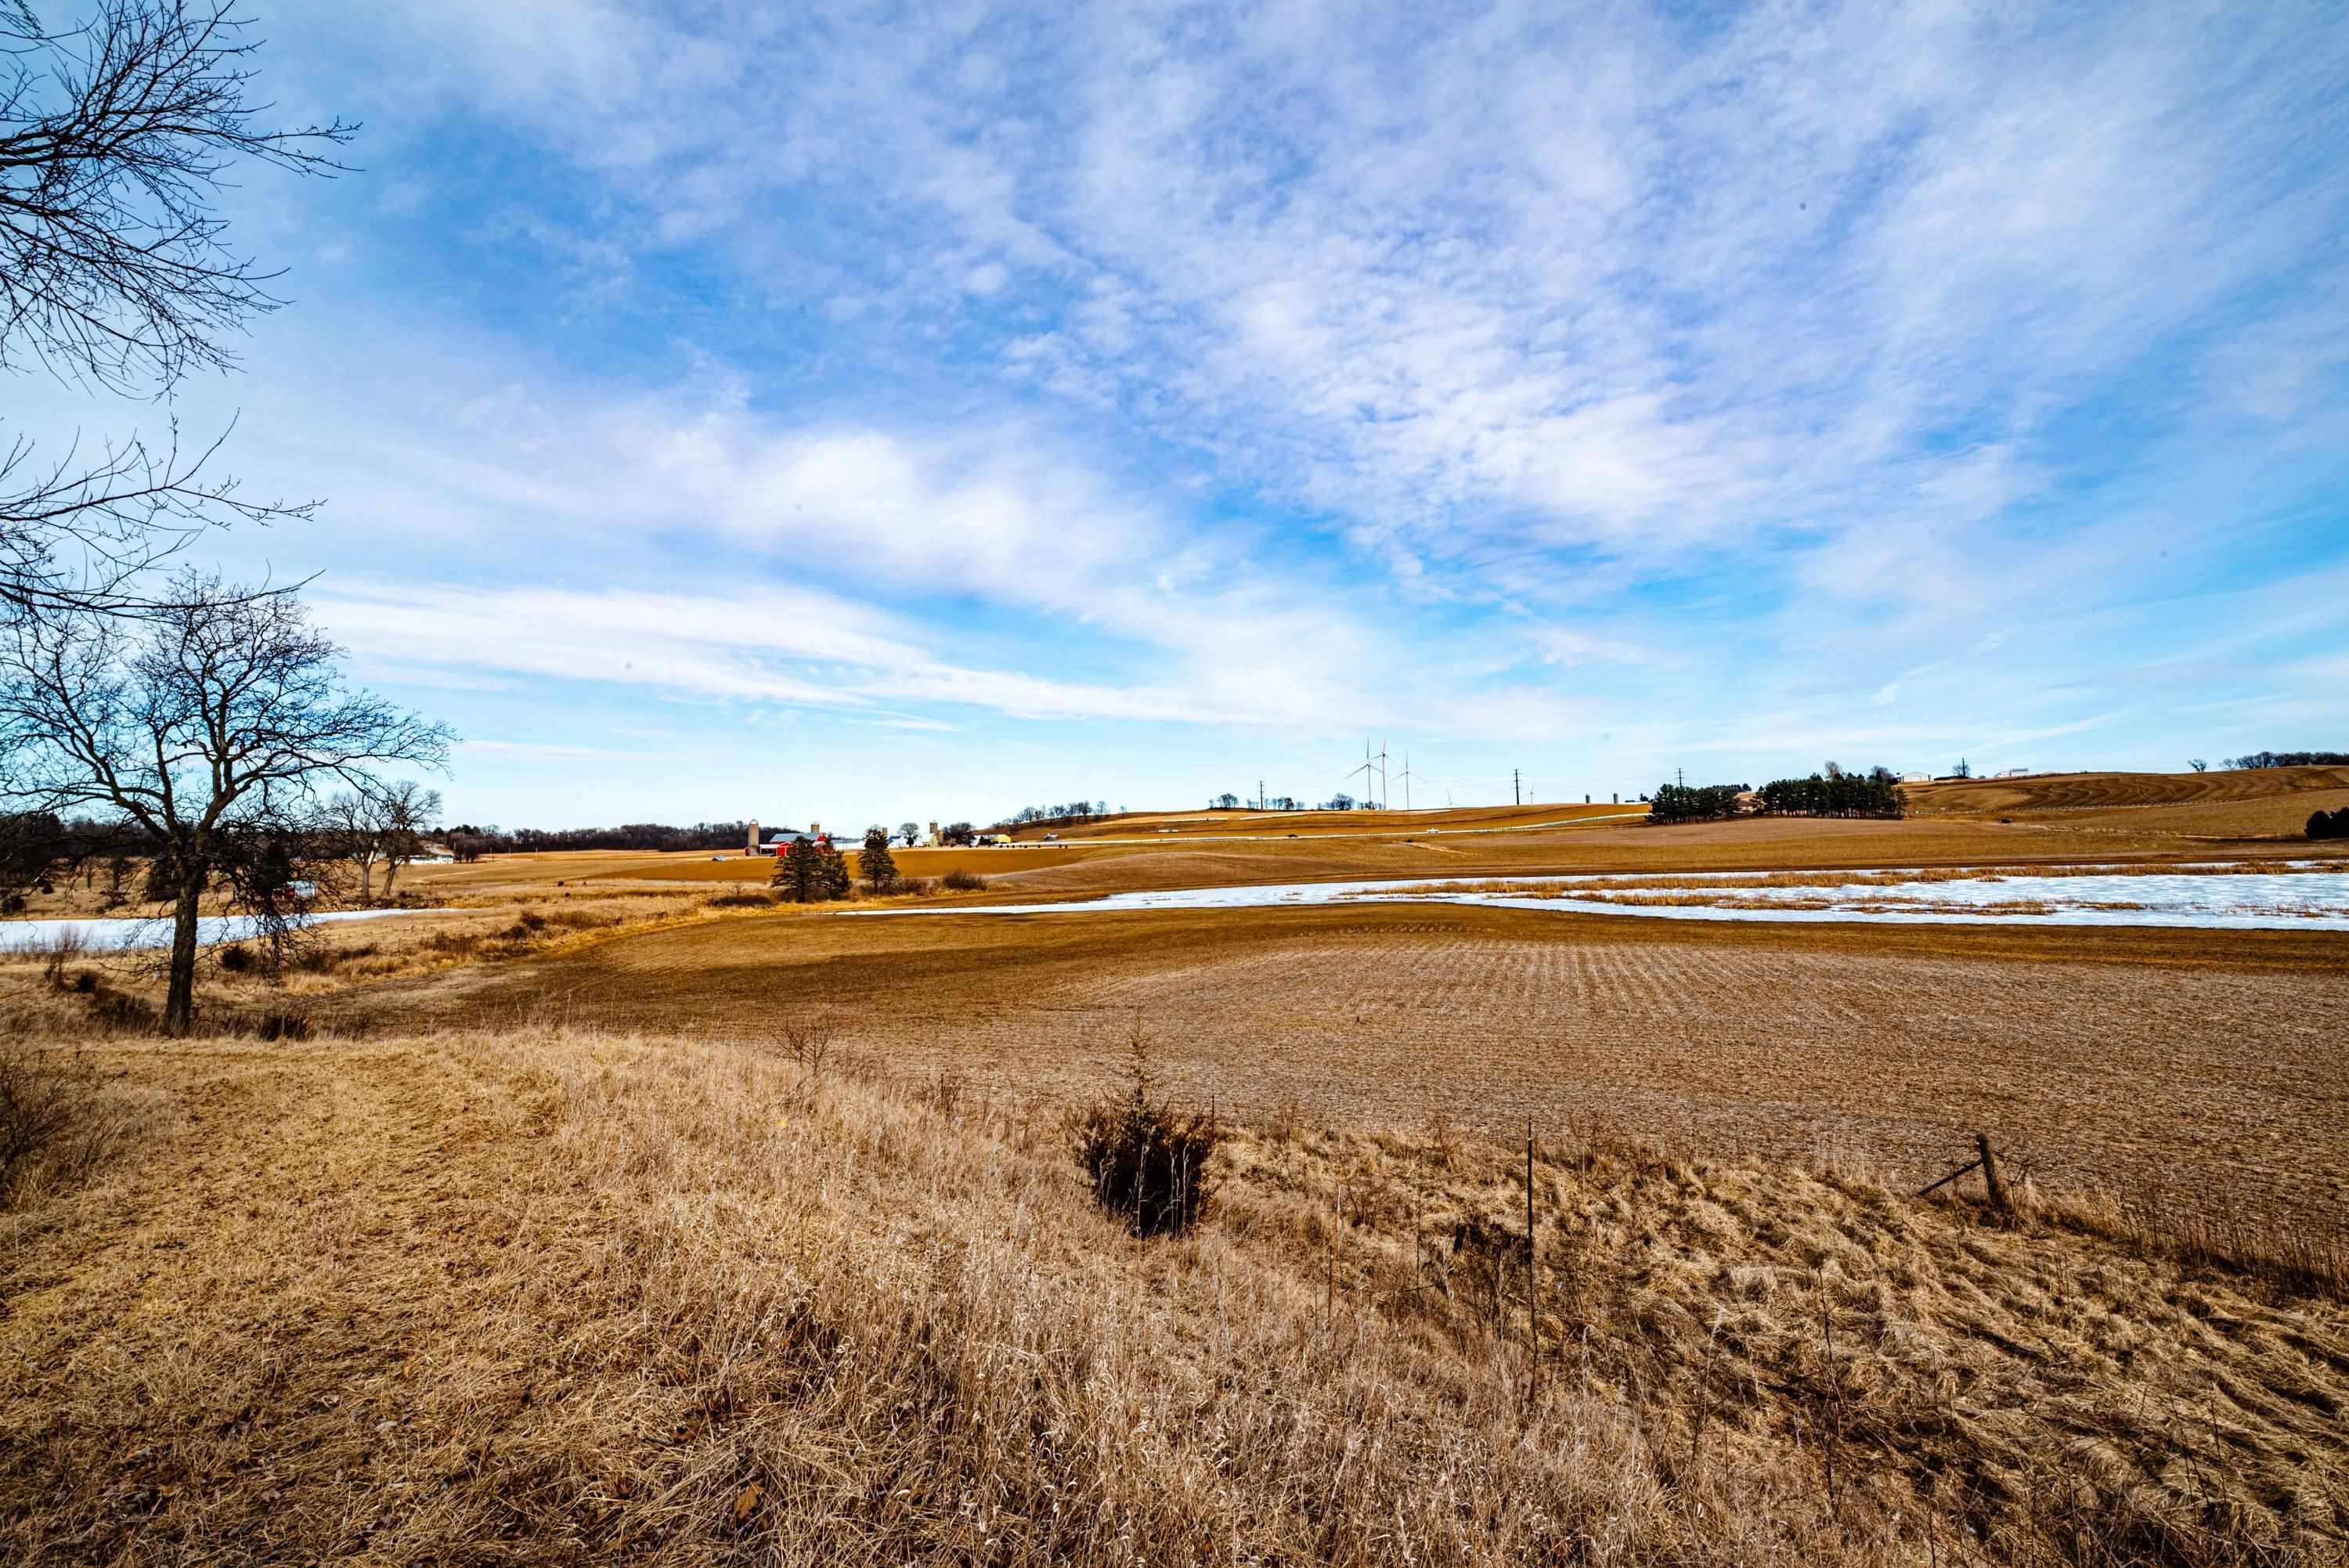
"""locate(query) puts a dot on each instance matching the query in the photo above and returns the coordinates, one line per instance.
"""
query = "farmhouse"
(778, 840)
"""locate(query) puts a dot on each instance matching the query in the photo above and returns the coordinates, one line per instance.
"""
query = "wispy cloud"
(1620, 383)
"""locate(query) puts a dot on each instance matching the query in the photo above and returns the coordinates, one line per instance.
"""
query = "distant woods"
(467, 841)
(1072, 812)
(1832, 792)
(2291, 760)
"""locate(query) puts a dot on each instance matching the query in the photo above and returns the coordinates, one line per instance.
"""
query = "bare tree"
(347, 829)
(216, 717)
(407, 811)
(116, 132)
(2198, 765)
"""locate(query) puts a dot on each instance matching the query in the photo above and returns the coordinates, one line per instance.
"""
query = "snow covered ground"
(2290, 896)
(116, 935)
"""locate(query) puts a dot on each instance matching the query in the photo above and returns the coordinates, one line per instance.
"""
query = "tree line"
(1693, 802)
(1833, 791)
(469, 842)
(2291, 760)
(1071, 811)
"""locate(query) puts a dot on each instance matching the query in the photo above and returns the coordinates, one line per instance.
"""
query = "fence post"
(1991, 1178)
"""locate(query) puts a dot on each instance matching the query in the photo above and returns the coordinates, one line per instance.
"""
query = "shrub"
(2329, 824)
(236, 960)
(55, 1123)
(1146, 1161)
(65, 946)
(961, 880)
(741, 901)
(14, 904)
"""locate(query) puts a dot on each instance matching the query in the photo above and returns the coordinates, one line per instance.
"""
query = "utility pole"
(1259, 794)
(1679, 778)
(1516, 786)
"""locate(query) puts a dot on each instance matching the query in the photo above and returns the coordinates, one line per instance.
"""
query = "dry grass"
(541, 1297)
(60, 1121)
(526, 1300)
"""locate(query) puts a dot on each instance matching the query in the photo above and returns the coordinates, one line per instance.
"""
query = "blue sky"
(858, 414)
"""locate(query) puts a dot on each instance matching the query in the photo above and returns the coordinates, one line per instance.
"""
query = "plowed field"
(2212, 1066)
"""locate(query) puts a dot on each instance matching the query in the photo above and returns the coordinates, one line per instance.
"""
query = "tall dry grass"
(535, 1299)
(543, 1296)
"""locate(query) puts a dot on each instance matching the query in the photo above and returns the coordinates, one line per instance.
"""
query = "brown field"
(2255, 803)
(1786, 844)
(2105, 791)
(2212, 1064)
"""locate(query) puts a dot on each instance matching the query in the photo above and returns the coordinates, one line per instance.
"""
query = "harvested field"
(2201, 1070)
(2107, 791)
(1757, 844)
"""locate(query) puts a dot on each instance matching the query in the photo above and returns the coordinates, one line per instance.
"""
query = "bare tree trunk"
(390, 871)
(180, 997)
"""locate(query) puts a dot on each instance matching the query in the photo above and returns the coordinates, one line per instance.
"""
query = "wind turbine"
(1407, 776)
(1365, 769)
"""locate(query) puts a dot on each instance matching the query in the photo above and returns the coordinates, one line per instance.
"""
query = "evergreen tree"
(798, 872)
(831, 872)
(879, 868)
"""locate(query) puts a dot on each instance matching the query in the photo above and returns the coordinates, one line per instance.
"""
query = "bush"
(236, 960)
(2329, 824)
(741, 901)
(1146, 1161)
(14, 904)
(961, 880)
(56, 1124)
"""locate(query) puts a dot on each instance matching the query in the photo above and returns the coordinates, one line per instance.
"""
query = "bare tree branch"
(114, 136)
